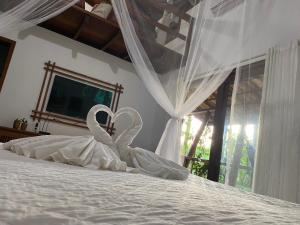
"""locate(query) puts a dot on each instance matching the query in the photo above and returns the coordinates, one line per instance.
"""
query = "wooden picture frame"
(11, 47)
(52, 70)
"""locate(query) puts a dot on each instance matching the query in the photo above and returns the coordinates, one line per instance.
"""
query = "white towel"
(81, 151)
(100, 151)
(143, 161)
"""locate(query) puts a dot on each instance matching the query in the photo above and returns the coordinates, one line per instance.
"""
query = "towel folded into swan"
(100, 151)
(82, 151)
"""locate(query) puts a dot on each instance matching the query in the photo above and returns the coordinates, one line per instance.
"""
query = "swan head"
(97, 131)
(127, 136)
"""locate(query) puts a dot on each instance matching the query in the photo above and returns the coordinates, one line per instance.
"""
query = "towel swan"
(83, 151)
(143, 161)
(100, 151)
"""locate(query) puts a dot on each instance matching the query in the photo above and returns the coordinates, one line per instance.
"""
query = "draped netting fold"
(21, 14)
(260, 149)
(183, 51)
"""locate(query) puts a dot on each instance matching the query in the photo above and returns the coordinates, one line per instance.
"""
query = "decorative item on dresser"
(20, 124)
(7, 134)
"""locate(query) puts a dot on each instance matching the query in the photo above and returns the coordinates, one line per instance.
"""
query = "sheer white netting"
(256, 137)
(183, 51)
(21, 14)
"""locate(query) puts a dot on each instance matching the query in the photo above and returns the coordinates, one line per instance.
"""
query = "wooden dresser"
(7, 134)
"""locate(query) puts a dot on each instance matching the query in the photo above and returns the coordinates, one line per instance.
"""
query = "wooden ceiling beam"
(112, 40)
(93, 15)
(178, 9)
(81, 26)
(211, 104)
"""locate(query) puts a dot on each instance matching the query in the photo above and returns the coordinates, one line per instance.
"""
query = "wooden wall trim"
(51, 69)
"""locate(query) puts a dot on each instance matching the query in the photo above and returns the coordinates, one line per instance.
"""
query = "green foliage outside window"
(199, 166)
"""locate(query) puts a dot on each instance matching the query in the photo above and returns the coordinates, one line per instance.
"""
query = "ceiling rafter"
(81, 26)
(112, 40)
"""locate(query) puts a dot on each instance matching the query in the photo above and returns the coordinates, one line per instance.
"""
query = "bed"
(34, 192)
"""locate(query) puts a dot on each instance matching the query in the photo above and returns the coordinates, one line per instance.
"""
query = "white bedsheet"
(34, 192)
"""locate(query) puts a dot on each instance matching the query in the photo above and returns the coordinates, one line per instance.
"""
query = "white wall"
(22, 85)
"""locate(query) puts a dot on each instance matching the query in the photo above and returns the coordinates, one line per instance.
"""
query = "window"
(240, 107)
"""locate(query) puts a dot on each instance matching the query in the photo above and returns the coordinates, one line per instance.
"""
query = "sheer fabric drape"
(241, 132)
(277, 171)
(21, 14)
(181, 51)
(277, 25)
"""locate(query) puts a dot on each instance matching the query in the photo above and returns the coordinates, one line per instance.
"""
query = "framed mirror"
(66, 97)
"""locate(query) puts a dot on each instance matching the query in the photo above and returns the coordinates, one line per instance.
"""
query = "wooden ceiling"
(90, 29)
(105, 34)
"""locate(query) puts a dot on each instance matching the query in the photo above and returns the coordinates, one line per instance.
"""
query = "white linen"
(34, 192)
(277, 168)
(75, 150)
(98, 132)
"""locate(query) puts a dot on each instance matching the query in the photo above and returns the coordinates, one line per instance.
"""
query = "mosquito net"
(21, 14)
(183, 50)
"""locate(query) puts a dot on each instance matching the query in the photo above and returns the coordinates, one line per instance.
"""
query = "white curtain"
(21, 14)
(277, 25)
(277, 169)
(199, 36)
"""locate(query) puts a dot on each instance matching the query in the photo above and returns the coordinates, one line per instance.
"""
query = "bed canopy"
(183, 50)
(21, 14)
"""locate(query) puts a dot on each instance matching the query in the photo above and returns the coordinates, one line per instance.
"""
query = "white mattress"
(36, 192)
